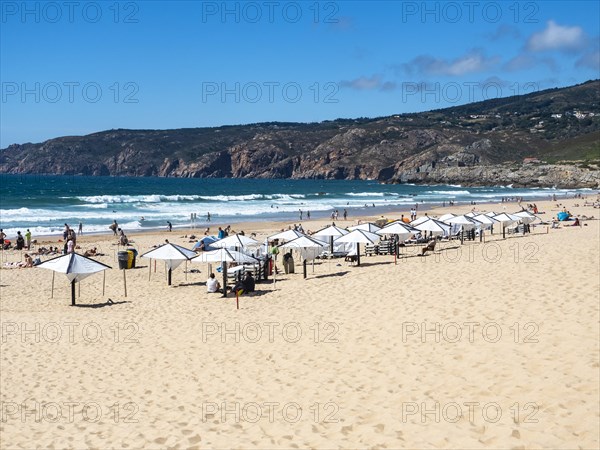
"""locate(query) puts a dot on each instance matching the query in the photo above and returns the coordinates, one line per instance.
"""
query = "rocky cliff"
(478, 144)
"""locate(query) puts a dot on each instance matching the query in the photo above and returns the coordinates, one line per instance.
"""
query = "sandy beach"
(482, 345)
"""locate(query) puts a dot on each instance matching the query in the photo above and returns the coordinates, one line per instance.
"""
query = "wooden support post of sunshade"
(124, 283)
(73, 293)
(224, 270)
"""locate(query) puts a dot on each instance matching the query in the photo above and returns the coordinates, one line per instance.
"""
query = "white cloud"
(471, 62)
(590, 60)
(363, 83)
(557, 37)
(374, 82)
(504, 32)
(526, 61)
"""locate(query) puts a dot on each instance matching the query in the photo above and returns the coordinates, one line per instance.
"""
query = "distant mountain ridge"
(484, 143)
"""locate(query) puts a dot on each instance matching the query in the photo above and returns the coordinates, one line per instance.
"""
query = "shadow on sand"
(110, 302)
(195, 283)
(336, 274)
(231, 294)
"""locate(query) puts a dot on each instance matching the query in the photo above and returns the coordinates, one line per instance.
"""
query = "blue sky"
(81, 67)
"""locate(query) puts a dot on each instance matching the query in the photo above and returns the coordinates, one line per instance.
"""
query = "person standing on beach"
(308, 215)
(28, 239)
(169, 226)
(80, 229)
(208, 216)
(114, 227)
(300, 214)
(274, 251)
(20, 243)
(345, 214)
(2, 236)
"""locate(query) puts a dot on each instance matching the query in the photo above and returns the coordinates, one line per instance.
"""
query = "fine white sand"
(484, 345)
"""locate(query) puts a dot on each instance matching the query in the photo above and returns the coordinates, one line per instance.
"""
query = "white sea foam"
(366, 194)
(97, 212)
(156, 198)
(448, 192)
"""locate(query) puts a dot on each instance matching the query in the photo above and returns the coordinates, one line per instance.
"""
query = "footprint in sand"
(194, 439)
(347, 430)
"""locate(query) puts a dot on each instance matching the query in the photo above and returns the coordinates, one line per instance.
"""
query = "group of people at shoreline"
(24, 242)
(20, 241)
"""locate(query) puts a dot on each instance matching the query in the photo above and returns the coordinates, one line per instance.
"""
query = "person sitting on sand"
(576, 223)
(199, 246)
(249, 283)
(122, 238)
(41, 251)
(27, 263)
(212, 284)
(246, 285)
(429, 248)
(91, 252)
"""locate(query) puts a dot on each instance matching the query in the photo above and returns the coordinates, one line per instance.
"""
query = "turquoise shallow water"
(45, 203)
